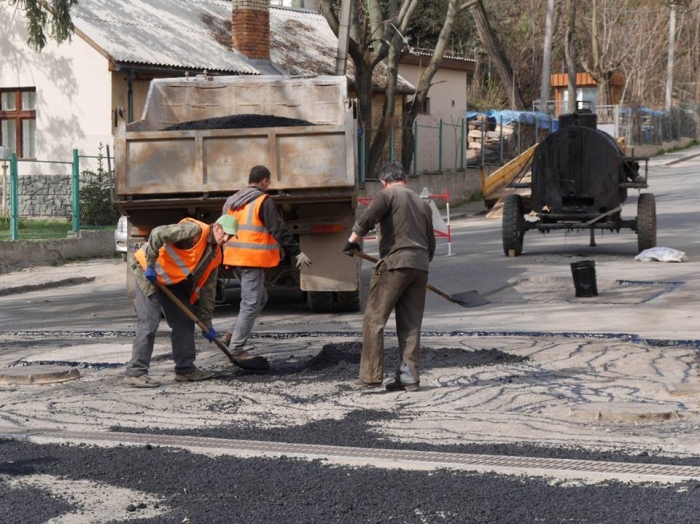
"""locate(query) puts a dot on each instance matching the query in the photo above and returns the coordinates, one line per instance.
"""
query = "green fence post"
(462, 144)
(391, 143)
(14, 198)
(76, 191)
(415, 147)
(440, 150)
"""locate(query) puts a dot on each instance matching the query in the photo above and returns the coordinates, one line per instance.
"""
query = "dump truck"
(166, 171)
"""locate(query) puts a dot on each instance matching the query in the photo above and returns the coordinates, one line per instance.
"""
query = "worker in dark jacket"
(399, 278)
(184, 257)
(261, 235)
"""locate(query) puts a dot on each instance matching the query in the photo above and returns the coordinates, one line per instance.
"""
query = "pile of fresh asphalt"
(239, 121)
(200, 489)
(338, 363)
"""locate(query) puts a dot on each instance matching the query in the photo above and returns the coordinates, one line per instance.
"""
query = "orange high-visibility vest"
(174, 265)
(255, 246)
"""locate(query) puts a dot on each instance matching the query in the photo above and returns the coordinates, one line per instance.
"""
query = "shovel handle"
(432, 288)
(193, 317)
(439, 292)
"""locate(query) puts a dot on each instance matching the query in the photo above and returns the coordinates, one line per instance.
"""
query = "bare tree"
(546, 57)
(496, 54)
(410, 113)
(570, 53)
(375, 30)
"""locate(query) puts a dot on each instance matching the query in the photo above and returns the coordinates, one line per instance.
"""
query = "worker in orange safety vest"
(184, 257)
(262, 234)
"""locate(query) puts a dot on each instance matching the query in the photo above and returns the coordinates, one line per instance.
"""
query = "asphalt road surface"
(538, 407)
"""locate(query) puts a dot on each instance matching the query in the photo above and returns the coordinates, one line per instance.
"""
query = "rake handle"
(193, 317)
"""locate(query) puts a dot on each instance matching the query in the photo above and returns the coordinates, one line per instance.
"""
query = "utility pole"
(570, 52)
(671, 47)
(546, 58)
(343, 36)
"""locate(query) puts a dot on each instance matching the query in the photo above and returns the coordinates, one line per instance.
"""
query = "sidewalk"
(33, 278)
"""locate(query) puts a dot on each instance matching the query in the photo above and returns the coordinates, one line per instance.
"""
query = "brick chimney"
(250, 27)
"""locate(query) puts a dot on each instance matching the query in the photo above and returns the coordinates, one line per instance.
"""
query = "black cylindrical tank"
(577, 170)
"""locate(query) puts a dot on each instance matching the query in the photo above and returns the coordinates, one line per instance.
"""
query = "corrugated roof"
(196, 34)
(167, 33)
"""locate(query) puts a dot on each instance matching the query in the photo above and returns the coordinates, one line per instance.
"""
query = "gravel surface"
(203, 490)
(239, 121)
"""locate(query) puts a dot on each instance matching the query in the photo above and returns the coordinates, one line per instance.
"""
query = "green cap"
(229, 224)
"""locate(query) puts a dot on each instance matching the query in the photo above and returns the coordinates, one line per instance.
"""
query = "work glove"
(303, 260)
(150, 274)
(210, 335)
(350, 247)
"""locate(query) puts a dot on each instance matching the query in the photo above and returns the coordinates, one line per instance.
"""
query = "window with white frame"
(18, 120)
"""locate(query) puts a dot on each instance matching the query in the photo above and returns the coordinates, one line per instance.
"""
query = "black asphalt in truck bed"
(238, 121)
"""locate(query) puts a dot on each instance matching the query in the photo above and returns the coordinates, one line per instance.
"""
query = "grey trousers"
(253, 300)
(402, 290)
(147, 320)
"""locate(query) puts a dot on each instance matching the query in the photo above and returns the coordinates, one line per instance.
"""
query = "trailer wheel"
(646, 221)
(513, 225)
(333, 301)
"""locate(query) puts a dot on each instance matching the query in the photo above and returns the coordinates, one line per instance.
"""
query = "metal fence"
(56, 198)
(441, 146)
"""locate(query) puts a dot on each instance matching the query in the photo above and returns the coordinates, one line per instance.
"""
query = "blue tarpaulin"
(542, 120)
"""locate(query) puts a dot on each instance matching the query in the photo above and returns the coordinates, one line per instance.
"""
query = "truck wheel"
(320, 301)
(348, 301)
(333, 301)
(513, 225)
(646, 221)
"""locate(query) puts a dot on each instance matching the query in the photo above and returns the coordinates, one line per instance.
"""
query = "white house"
(446, 104)
(65, 96)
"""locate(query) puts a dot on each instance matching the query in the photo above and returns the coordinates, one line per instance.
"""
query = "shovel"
(256, 363)
(467, 299)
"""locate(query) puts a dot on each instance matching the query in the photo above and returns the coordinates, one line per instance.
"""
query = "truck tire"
(333, 301)
(646, 221)
(348, 301)
(513, 225)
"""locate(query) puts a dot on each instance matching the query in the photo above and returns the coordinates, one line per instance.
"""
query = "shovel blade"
(469, 299)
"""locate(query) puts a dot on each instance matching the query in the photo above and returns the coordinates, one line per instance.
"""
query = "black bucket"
(584, 278)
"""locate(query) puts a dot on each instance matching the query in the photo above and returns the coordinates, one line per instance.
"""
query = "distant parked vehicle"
(120, 237)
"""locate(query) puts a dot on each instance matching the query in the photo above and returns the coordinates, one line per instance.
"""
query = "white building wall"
(73, 87)
(448, 101)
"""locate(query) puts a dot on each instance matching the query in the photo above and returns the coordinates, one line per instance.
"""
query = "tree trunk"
(497, 55)
(454, 7)
(546, 58)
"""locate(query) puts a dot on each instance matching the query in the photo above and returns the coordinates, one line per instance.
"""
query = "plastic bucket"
(584, 278)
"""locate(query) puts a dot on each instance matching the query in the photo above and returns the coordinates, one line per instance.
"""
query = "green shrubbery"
(96, 207)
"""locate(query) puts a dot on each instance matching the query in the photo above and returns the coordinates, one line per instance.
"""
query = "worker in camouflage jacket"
(184, 257)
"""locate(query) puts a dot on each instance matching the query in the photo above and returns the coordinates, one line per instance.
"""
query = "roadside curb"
(73, 281)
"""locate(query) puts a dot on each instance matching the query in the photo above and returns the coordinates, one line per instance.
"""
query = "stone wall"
(43, 196)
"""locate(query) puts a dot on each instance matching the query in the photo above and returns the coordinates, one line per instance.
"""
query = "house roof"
(196, 35)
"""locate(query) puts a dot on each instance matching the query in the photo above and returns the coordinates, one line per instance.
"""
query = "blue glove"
(150, 274)
(210, 335)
